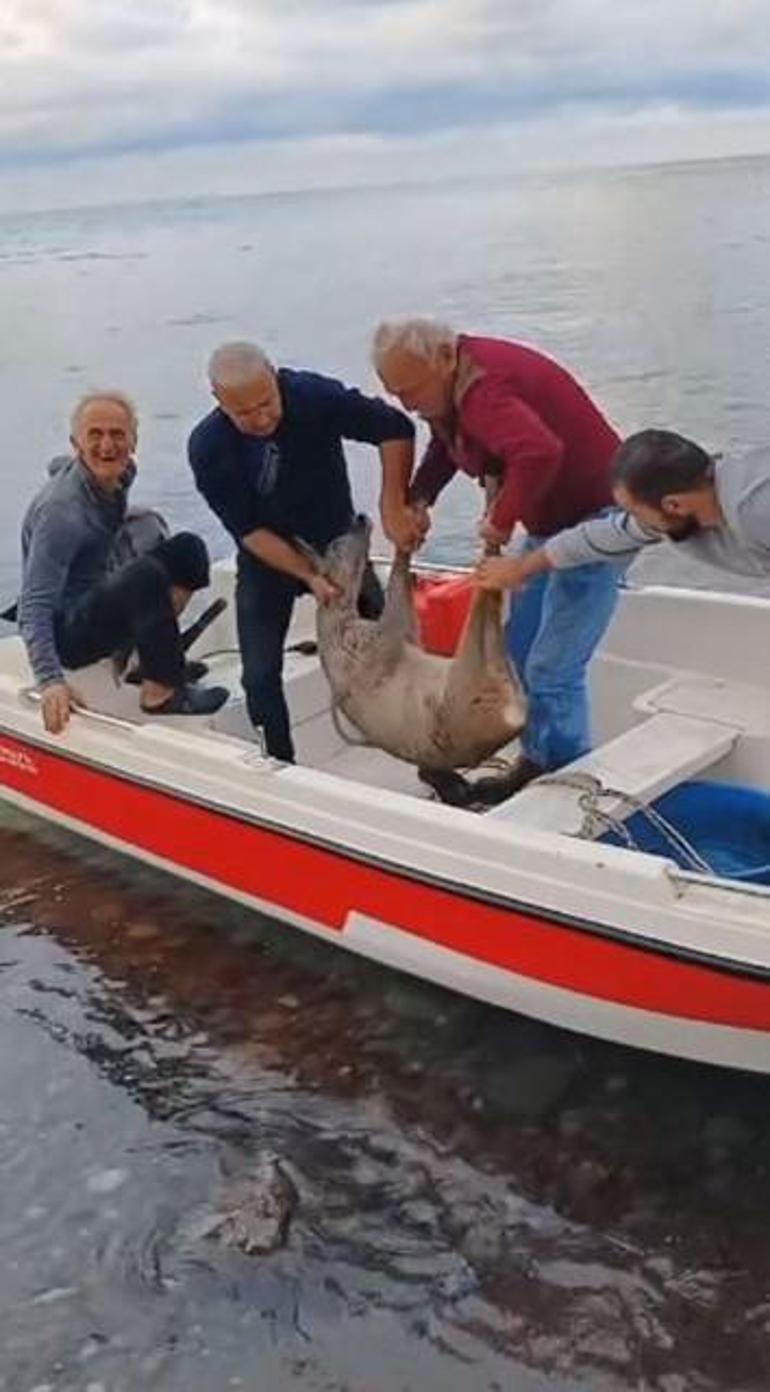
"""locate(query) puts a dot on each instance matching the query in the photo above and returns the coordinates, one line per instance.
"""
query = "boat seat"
(643, 763)
(710, 698)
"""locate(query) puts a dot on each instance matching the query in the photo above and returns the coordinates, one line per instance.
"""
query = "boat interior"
(681, 707)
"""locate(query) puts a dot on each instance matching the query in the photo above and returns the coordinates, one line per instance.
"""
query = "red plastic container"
(442, 607)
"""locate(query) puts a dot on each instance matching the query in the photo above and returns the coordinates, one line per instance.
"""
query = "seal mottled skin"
(439, 713)
(252, 1212)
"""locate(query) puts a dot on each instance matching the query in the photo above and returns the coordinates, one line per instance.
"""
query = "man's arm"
(221, 480)
(612, 538)
(397, 463)
(52, 548)
(406, 525)
(280, 555)
(238, 508)
(355, 416)
(510, 431)
(435, 470)
(754, 517)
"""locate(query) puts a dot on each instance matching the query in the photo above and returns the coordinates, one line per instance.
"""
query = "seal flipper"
(398, 616)
(450, 787)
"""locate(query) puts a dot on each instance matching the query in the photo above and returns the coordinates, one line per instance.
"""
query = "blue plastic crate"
(727, 824)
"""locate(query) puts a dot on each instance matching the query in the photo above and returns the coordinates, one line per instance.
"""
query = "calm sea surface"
(479, 1202)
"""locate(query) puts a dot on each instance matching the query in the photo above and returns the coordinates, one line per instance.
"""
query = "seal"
(252, 1211)
(440, 713)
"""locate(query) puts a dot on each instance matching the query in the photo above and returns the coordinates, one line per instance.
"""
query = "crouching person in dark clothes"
(269, 461)
(74, 610)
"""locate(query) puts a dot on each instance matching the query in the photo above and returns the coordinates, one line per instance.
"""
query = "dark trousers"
(131, 608)
(264, 600)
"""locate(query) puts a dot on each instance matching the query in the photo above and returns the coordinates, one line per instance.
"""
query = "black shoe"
(494, 790)
(191, 700)
(448, 786)
(193, 671)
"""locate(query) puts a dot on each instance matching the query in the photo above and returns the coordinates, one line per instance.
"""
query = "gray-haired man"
(72, 609)
(269, 461)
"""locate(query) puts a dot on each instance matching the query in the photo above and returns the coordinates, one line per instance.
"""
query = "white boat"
(522, 906)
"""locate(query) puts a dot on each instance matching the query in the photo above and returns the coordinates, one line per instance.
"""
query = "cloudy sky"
(102, 99)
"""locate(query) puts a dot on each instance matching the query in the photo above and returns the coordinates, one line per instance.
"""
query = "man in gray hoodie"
(667, 488)
(73, 609)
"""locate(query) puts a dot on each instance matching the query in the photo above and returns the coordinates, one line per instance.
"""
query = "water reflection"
(480, 1202)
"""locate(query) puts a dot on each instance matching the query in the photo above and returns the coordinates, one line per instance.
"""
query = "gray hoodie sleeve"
(613, 537)
(52, 547)
(753, 510)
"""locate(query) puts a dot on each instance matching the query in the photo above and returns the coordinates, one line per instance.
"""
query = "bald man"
(269, 460)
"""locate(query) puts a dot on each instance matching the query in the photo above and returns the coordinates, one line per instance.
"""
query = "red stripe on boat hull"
(326, 885)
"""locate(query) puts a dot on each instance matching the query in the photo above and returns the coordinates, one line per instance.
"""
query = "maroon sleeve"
(512, 433)
(433, 473)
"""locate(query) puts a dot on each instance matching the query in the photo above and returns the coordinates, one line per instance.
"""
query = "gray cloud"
(101, 76)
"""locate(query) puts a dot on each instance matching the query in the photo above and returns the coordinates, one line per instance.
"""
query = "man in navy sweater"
(269, 461)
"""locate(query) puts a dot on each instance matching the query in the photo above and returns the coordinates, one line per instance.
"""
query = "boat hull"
(574, 973)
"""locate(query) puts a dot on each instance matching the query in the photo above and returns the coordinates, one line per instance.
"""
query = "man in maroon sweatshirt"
(505, 411)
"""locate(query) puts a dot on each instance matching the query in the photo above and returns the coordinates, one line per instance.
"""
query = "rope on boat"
(592, 791)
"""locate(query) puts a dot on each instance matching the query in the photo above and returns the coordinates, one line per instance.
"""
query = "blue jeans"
(554, 626)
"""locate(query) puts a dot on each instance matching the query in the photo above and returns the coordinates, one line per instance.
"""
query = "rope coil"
(595, 818)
